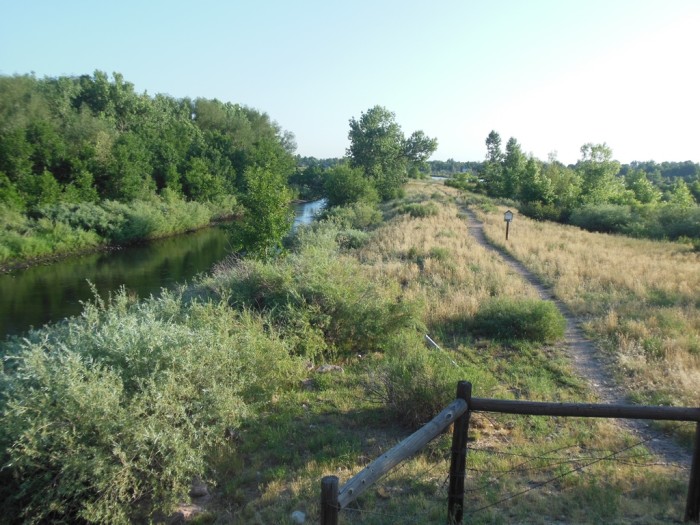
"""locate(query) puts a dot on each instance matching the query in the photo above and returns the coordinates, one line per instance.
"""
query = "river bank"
(54, 288)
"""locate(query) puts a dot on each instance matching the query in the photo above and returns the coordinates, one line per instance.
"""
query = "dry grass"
(436, 260)
(335, 429)
(641, 299)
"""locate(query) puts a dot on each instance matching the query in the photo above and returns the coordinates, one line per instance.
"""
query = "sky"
(554, 74)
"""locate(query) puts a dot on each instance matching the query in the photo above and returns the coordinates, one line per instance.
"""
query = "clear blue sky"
(555, 74)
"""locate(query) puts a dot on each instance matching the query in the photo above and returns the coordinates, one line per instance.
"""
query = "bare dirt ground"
(588, 363)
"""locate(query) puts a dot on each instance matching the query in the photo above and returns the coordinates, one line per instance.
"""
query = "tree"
(534, 186)
(565, 183)
(378, 146)
(268, 215)
(513, 169)
(680, 195)
(598, 170)
(493, 167)
(644, 191)
(345, 185)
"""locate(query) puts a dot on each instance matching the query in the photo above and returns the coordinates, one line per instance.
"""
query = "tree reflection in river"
(41, 294)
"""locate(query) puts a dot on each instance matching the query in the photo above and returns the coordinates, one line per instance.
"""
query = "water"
(42, 294)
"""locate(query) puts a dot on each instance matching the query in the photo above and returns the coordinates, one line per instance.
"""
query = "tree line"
(80, 142)
(597, 193)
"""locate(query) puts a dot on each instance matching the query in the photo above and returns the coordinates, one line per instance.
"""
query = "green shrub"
(346, 185)
(680, 222)
(115, 412)
(526, 319)
(420, 210)
(606, 218)
(414, 382)
(318, 290)
(352, 239)
(540, 211)
(358, 215)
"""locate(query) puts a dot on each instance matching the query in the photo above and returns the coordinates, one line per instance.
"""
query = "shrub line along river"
(47, 293)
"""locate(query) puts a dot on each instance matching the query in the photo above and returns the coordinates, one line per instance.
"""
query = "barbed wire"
(539, 485)
(578, 456)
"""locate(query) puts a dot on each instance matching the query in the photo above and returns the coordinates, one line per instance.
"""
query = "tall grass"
(107, 417)
(640, 299)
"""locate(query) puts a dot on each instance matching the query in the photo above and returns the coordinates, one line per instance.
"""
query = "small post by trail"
(458, 464)
(508, 216)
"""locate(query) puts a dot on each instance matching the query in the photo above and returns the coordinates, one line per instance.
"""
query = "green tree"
(535, 187)
(378, 146)
(268, 215)
(680, 195)
(513, 169)
(598, 173)
(493, 167)
(644, 191)
(345, 185)
(565, 183)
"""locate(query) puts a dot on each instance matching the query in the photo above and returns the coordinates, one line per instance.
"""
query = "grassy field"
(337, 425)
(640, 300)
(362, 301)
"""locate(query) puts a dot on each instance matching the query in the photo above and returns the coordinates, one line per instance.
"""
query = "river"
(47, 293)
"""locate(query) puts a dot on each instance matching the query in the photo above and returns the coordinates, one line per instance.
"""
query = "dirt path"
(586, 361)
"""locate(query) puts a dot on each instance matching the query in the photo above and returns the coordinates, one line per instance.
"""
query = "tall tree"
(493, 167)
(268, 215)
(535, 187)
(598, 170)
(378, 146)
(513, 168)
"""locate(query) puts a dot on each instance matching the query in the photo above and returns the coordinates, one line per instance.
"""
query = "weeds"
(214, 378)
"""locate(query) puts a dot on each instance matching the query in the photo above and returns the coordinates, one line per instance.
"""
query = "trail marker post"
(507, 216)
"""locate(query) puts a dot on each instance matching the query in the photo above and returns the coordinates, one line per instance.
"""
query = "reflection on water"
(41, 294)
(305, 212)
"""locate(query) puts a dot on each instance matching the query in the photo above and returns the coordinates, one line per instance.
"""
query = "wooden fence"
(333, 498)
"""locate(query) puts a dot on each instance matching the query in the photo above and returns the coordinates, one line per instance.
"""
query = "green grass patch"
(526, 319)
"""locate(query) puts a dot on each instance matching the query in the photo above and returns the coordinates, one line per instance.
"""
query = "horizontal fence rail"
(535, 408)
(458, 412)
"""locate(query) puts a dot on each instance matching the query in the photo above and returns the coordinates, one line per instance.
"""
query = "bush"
(540, 211)
(525, 319)
(345, 185)
(318, 292)
(420, 210)
(606, 218)
(680, 222)
(116, 411)
(359, 215)
(415, 383)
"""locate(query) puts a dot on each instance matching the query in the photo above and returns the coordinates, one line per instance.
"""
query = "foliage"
(318, 298)
(379, 148)
(606, 218)
(414, 384)
(346, 185)
(92, 139)
(268, 216)
(120, 407)
(356, 215)
(527, 319)
(420, 210)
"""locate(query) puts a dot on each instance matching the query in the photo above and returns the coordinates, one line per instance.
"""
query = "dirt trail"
(586, 361)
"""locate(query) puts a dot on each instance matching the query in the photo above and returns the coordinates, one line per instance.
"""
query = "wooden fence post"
(329, 500)
(458, 464)
(692, 505)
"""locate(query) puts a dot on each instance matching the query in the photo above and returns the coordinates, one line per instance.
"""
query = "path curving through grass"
(585, 359)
